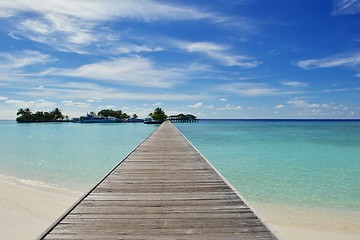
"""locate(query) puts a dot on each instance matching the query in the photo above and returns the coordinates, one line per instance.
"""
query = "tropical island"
(26, 115)
(156, 117)
(104, 116)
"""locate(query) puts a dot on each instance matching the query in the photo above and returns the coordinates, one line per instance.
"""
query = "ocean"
(71, 156)
(295, 163)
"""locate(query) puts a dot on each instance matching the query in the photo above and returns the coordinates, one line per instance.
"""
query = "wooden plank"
(165, 189)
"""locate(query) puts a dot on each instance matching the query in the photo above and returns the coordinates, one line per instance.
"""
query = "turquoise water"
(67, 155)
(303, 163)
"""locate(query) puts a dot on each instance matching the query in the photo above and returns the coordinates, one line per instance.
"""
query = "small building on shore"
(183, 118)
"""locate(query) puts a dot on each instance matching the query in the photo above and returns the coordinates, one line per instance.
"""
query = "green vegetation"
(25, 115)
(112, 113)
(158, 114)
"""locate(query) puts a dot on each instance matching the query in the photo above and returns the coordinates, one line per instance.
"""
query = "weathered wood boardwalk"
(165, 189)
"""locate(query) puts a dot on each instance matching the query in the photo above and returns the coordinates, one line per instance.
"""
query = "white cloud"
(327, 106)
(303, 104)
(294, 84)
(134, 71)
(197, 105)
(23, 59)
(75, 104)
(3, 98)
(72, 26)
(29, 104)
(156, 104)
(223, 99)
(126, 48)
(251, 89)
(11, 101)
(279, 106)
(342, 7)
(219, 53)
(352, 60)
(94, 99)
(338, 90)
(106, 10)
(85, 91)
(231, 107)
(43, 103)
(302, 108)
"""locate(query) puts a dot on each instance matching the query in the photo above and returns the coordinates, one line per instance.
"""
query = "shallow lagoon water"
(297, 163)
(67, 155)
(302, 163)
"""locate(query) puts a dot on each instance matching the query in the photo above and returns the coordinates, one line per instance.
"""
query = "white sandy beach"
(25, 212)
(310, 223)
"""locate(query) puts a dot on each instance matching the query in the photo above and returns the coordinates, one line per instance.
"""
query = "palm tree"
(21, 111)
(159, 114)
(56, 114)
(24, 114)
(27, 112)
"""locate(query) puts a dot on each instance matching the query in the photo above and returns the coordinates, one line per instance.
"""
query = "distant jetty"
(183, 118)
(159, 116)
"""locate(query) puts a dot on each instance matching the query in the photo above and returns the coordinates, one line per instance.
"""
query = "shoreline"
(30, 209)
(34, 208)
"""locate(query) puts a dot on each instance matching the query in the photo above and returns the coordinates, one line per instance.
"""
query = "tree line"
(26, 115)
(119, 114)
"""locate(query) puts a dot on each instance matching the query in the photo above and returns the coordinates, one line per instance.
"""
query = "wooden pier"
(165, 189)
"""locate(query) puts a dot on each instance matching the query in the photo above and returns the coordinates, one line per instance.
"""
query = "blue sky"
(214, 59)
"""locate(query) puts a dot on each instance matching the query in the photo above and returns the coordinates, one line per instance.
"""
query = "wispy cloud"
(342, 7)
(294, 84)
(139, 10)
(303, 108)
(75, 104)
(352, 60)
(303, 104)
(23, 59)
(133, 71)
(196, 105)
(83, 91)
(300, 103)
(231, 108)
(219, 53)
(126, 48)
(253, 89)
(73, 26)
(17, 67)
(29, 104)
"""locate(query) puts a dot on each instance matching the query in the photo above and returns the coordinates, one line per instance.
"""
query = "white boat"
(90, 118)
(150, 120)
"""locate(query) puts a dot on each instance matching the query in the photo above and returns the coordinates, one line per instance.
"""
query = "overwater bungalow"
(183, 118)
